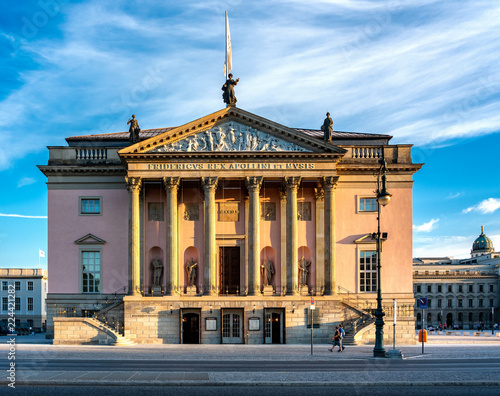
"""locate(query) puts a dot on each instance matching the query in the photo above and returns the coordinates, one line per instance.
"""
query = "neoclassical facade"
(223, 229)
(460, 292)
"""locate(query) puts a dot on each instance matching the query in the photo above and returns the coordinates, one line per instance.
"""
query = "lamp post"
(383, 198)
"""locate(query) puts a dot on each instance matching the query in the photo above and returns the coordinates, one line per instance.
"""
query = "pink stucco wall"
(307, 234)
(270, 234)
(65, 226)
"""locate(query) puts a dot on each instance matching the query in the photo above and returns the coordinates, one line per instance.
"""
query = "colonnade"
(325, 235)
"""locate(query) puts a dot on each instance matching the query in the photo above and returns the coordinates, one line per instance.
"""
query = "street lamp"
(383, 198)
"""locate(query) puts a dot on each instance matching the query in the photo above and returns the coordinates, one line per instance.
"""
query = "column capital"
(209, 184)
(133, 183)
(254, 183)
(319, 194)
(292, 182)
(330, 182)
(283, 194)
(171, 184)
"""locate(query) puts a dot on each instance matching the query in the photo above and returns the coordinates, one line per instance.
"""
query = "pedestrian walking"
(342, 335)
(336, 340)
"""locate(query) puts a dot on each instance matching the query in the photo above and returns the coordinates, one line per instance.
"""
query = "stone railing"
(83, 155)
(393, 154)
(366, 152)
(22, 272)
(91, 153)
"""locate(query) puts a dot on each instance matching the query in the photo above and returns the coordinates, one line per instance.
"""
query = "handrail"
(360, 303)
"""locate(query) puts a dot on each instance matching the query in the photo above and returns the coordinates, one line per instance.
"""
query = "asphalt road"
(204, 365)
(255, 390)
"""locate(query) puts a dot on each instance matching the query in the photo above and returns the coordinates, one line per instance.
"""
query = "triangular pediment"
(232, 130)
(90, 239)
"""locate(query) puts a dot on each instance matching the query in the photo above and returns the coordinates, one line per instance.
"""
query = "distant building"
(28, 287)
(460, 292)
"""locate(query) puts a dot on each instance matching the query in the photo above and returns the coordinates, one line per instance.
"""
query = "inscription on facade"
(228, 166)
(229, 211)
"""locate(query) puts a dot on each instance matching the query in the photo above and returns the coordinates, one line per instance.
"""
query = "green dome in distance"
(482, 243)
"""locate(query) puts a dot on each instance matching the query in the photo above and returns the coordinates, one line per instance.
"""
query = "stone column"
(210, 283)
(329, 184)
(253, 186)
(283, 240)
(171, 185)
(134, 188)
(292, 185)
(319, 195)
(246, 246)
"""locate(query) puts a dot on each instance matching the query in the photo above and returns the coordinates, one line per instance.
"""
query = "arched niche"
(191, 252)
(269, 253)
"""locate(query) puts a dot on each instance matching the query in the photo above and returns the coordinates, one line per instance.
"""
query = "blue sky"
(423, 71)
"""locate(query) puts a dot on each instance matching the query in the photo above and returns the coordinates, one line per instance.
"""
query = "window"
(450, 288)
(460, 303)
(460, 288)
(440, 303)
(439, 289)
(450, 303)
(471, 303)
(419, 289)
(368, 204)
(471, 288)
(481, 288)
(429, 317)
(91, 272)
(470, 317)
(18, 285)
(480, 303)
(90, 205)
(460, 317)
(429, 288)
(5, 304)
(30, 323)
(429, 303)
(492, 288)
(18, 303)
(30, 285)
(5, 285)
(30, 304)
(368, 271)
(491, 302)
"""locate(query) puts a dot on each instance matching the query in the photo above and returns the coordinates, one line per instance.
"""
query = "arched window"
(481, 316)
(471, 317)
(419, 317)
(429, 318)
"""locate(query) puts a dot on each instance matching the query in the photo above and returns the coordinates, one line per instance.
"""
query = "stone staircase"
(100, 320)
(116, 338)
(357, 314)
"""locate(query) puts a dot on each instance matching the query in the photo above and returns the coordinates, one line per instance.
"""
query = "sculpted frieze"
(231, 137)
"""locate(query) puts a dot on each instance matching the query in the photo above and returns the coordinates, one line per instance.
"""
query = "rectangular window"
(471, 288)
(460, 288)
(480, 303)
(18, 285)
(481, 288)
(368, 271)
(368, 204)
(30, 285)
(5, 304)
(439, 288)
(440, 303)
(460, 303)
(429, 288)
(90, 206)
(419, 289)
(429, 303)
(91, 272)
(450, 288)
(491, 302)
(18, 303)
(450, 303)
(471, 303)
(5, 285)
(492, 288)
(30, 303)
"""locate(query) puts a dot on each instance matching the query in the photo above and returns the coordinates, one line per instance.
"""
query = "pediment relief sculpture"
(231, 136)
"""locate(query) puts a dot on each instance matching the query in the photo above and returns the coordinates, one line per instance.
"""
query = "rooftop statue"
(228, 95)
(327, 128)
(134, 129)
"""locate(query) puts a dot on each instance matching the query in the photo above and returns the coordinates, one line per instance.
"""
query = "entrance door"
(274, 329)
(190, 328)
(449, 320)
(230, 270)
(232, 327)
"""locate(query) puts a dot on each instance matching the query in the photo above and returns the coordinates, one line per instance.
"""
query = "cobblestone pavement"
(439, 348)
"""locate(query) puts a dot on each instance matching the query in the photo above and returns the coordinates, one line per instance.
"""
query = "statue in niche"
(157, 271)
(134, 129)
(267, 271)
(327, 128)
(192, 271)
(228, 95)
(303, 269)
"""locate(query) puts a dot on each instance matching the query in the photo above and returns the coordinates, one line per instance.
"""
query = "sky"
(425, 72)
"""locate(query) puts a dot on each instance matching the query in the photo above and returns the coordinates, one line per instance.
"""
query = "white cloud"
(489, 205)
(453, 196)
(25, 181)
(427, 227)
(443, 246)
(23, 216)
